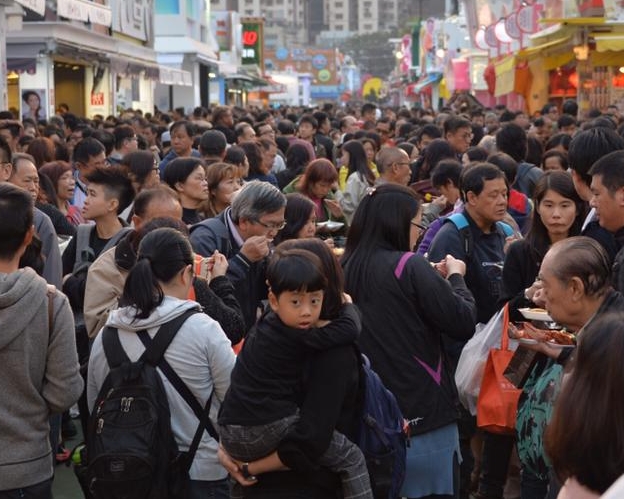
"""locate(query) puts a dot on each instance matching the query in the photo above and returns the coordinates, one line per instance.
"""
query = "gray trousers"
(248, 443)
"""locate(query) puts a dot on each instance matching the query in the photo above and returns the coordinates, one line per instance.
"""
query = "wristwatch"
(245, 472)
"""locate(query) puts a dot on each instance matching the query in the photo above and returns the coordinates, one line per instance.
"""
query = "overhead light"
(212, 75)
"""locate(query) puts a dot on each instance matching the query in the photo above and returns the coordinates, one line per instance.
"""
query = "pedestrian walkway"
(65, 484)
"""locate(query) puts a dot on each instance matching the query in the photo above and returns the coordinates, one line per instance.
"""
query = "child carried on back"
(260, 407)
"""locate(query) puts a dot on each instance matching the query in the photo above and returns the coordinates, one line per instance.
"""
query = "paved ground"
(65, 485)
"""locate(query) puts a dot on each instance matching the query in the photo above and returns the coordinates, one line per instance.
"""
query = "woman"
(359, 177)
(559, 213)
(63, 182)
(154, 293)
(330, 402)
(32, 106)
(259, 169)
(42, 149)
(46, 201)
(436, 150)
(236, 156)
(187, 176)
(587, 453)
(371, 150)
(143, 172)
(300, 218)
(554, 160)
(407, 306)
(316, 183)
(223, 185)
(297, 158)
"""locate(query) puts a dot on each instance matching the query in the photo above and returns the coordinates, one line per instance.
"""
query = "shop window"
(167, 7)
(136, 89)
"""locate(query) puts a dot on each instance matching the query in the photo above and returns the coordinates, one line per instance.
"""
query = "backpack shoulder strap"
(115, 239)
(159, 344)
(460, 221)
(505, 228)
(83, 234)
(115, 354)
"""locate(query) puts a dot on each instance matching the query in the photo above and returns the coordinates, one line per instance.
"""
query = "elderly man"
(393, 165)
(244, 233)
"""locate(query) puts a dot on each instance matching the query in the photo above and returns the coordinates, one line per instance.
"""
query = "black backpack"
(131, 449)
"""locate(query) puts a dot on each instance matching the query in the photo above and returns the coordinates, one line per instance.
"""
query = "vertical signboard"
(253, 42)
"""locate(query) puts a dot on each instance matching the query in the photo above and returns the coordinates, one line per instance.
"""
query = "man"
(89, 154)
(585, 149)
(223, 120)
(11, 130)
(243, 233)
(76, 135)
(481, 245)
(21, 171)
(385, 128)
(306, 130)
(491, 123)
(126, 141)
(607, 187)
(322, 133)
(38, 361)
(393, 165)
(244, 133)
(426, 134)
(368, 114)
(348, 124)
(182, 137)
(106, 276)
(512, 140)
(458, 133)
(212, 147)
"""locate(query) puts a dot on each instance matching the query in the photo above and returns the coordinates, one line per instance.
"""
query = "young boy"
(261, 405)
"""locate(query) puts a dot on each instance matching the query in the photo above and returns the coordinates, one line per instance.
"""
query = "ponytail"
(142, 290)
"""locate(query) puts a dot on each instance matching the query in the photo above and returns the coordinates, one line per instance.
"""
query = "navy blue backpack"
(381, 437)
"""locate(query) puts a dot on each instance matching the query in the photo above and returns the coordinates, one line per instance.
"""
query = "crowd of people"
(303, 237)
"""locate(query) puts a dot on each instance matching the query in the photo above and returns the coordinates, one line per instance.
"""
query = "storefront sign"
(133, 18)
(97, 99)
(35, 5)
(81, 10)
(221, 23)
(252, 43)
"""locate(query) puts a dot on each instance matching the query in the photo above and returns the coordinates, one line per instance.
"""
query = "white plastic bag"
(469, 373)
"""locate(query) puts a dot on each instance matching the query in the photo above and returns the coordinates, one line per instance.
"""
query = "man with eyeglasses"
(393, 165)
(385, 128)
(458, 133)
(244, 233)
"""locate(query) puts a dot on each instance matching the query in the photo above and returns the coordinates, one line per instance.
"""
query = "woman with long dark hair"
(360, 177)
(407, 307)
(154, 293)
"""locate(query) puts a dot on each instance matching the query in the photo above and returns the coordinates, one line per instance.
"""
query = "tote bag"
(497, 404)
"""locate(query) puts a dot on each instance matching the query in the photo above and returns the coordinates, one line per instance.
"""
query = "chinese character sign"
(252, 43)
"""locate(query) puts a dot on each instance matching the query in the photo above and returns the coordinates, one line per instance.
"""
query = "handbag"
(497, 404)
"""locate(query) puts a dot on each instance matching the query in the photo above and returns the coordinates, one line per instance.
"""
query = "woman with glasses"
(407, 307)
(155, 293)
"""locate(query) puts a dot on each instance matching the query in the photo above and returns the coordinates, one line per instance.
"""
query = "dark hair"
(235, 155)
(298, 210)
(212, 143)
(610, 169)
(512, 139)
(297, 158)
(332, 299)
(295, 270)
(106, 138)
(382, 220)
(476, 154)
(188, 126)
(560, 182)
(473, 178)
(506, 163)
(16, 218)
(584, 437)
(429, 130)
(589, 146)
(535, 149)
(436, 150)
(42, 150)
(116, 184)
(586, 259)
(140, 164)
(559, 139)
(179, 169)
(215, 174)
(161, 255)
(447, 170)
(563, 159)
(286, 127)
(254, 156)
(358, 162)
(319, 170)
(565, 120)
(408, 147)
(5, 150)
(86, 149)
(454, 123)
(123, 133)
(570, 107)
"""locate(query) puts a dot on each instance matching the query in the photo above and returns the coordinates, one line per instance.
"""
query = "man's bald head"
(393, 165)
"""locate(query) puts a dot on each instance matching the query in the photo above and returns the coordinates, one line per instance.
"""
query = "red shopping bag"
(497, 404)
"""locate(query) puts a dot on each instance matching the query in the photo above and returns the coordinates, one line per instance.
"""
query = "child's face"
(297, 309)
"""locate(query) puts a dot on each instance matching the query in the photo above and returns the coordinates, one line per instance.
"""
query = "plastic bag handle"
(505, 329)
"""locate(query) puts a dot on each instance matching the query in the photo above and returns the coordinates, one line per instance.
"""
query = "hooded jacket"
(38, 375)
(200, 354)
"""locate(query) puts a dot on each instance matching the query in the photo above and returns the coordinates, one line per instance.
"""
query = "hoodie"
(38, 375)
(200, 354)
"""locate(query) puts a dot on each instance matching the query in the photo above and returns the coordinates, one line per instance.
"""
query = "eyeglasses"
(402, 163)
(272, 226)
(467, 136)
(381, 131)
(421, 227)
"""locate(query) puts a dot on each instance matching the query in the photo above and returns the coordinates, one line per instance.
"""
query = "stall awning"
(426, 81)
(247, 80)
(554, 53)
(133, 67)
(22, 65)
(605, 43)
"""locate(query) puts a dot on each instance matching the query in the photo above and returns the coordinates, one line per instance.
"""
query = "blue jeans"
(203, 489)
(42, 490)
